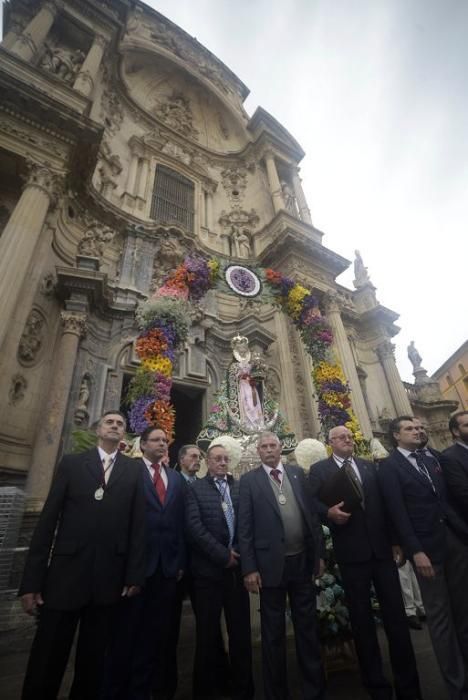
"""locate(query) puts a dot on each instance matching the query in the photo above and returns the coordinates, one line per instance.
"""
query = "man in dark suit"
(363, 551)
(455, 462)
(188, 460)
(141, 630)
(435, 538)
(87, 552)
(211, 521)
(280, 541)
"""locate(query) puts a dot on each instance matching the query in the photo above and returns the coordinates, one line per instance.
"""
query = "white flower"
(310, 451)
(378, 451)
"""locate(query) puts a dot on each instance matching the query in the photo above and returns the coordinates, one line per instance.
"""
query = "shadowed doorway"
(188, 405)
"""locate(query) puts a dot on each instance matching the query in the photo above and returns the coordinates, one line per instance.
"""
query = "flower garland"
(164, 320)
(333, 392)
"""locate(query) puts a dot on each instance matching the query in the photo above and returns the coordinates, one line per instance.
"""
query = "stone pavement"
(344, 685)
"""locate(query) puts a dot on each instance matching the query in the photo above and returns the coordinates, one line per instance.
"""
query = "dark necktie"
(159, 483)
(226, 503)
(275, 475)
(422, 466)
(348, 467)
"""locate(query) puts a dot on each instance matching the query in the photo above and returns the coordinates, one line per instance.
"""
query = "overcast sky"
(375, 91)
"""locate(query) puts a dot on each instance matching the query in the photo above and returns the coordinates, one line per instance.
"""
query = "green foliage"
(83, 440)
(142, 384)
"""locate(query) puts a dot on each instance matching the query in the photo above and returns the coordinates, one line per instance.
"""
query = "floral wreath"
(164, 320)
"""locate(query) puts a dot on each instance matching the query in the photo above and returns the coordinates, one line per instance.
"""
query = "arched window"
(173, 198)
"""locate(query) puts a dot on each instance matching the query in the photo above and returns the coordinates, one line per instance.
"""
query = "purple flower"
(136, 416)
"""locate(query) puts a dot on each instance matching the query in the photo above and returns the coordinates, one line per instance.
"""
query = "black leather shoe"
(413, 622)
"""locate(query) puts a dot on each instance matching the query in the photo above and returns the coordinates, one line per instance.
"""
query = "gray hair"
(268, 434)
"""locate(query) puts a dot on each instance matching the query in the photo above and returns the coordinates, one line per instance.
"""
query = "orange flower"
(162, 415)
(152, 344)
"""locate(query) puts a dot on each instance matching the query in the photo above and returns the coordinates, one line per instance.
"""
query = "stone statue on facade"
(32, 338)
(240, 243)
(414, 356)
(94, 241)
(64, 63)
(244, 406)
(81, 410)
(361, 276)
(175, 112)
(288, 198)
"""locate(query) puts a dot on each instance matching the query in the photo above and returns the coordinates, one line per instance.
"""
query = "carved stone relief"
(32, 339)
(62, 62)
(111, 113)
(81, 415)
(95, 240)
(108, 168)
(17, 389)
(234, 180)
(238, 229)
(47, 286)
(175, 112)
(170, 254)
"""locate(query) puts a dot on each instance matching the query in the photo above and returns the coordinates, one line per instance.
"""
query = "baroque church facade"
(124, 146)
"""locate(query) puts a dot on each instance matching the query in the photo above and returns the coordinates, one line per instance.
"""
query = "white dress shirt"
(340, 460)
(104, 457)
(151, 470)
(279, 467)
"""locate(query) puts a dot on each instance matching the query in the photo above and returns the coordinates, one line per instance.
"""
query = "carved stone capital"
(332, 303)
(73, 322)
(42, 177)
(386, 350)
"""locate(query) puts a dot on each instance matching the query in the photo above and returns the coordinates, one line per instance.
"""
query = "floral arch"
(164, 321)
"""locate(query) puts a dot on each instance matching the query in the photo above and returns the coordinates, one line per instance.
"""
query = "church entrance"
(188, 405)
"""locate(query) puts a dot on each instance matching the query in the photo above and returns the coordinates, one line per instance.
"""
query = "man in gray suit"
(280, 542)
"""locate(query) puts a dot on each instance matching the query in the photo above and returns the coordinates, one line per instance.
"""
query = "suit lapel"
(411, 470)
(171, 486)
(117, 470)
(94, 465)
(262, 479)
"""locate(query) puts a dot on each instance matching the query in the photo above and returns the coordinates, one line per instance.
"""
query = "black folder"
(340, 487)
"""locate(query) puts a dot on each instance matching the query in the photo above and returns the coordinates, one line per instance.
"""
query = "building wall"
(453, 377)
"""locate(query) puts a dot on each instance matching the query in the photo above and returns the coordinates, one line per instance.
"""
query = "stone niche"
(177, 100)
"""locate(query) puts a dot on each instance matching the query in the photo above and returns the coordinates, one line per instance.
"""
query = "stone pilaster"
(20, 236)
(142, 181)
(31, 40)
(47, 444)
(345, 355)
(273, 181)
(86, 78)
(304, 211)
(289, 406)
(385, 353)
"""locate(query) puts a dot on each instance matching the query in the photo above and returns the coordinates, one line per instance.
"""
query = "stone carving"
(289, 198)
(234, 180)
(111, 111)
(175, 112)
(360, 272)
(223, 126)
(81, 411)
(414, 356)
(170, 254)
(108, 168)
(43, 177)
(47, 286)
(73, 322)
(17, 389)
(238, 228)
(32, 338)
(62, 62)
(173, 149)
(28, 136)
(94, 241)
(386, 350)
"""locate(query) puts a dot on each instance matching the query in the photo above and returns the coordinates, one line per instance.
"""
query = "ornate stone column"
(209, 210)
(47, 444)
(304, 210)
(16, 28)
(273, 181)
(385, 353)
(86, 78)
(345, 356)
(31, 40)
(20, 236)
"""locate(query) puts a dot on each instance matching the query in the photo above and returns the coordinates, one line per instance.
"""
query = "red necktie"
(275, 475)
(159, 483)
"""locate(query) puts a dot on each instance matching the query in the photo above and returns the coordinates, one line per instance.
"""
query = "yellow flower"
(295, 298)
(159, 364)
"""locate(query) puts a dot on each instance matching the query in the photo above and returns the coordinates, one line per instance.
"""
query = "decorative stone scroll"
(32, 339)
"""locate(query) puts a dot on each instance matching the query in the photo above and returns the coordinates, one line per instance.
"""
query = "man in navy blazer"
(455, 462)
(435, 538)
(281, 550)
(363, 549)
(141, 631)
